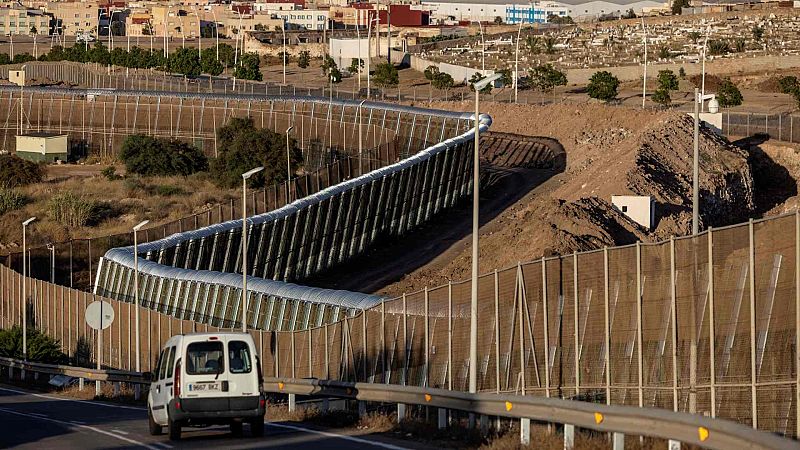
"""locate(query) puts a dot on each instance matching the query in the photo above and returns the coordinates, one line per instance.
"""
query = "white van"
(204, 379)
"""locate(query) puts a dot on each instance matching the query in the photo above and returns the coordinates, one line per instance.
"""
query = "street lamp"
(713, 107)
(25, 287)
(245, 299)
(360, 134)
(473, 319)
(136, 289)
(288, 165)
(216, 29)
(283, 57)
(644, 78)
(483, 46)
(369, 48)
(703, 82)
(516, 55)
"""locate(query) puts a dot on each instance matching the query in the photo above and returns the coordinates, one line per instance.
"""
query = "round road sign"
(99, 315)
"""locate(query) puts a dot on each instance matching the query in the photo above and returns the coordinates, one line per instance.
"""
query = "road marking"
(162, 445)
(50, 397)
(78, 422)
(119, 431)
(338, 436)
(38, 414)
(87, 427)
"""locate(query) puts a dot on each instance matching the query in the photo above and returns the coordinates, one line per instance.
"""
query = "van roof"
(219, 333)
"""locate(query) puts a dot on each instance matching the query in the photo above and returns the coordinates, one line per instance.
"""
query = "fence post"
(569, 436)
(450, 335)
(496, 332)
(546, 319)
(577, 323)
(383, 340)
(674, 313)
(524, 427)
(618, 441)
(711, 334)
(607, 331)
(405, 341)
(752, 326)
(427, 343)
(639, 320)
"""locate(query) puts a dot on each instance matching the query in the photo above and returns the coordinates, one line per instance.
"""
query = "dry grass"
(126, 393)
(121, 204)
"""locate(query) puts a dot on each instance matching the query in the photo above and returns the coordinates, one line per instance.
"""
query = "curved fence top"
(124, 255)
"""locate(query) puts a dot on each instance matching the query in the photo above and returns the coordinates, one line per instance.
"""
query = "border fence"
(706, 324)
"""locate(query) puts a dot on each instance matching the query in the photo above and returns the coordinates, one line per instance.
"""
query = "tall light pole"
(483, 47)
(136, 291)
(25, 287)
(369, 49)
(283, 31)
(245, 299)
(516, 54)
(360, 60)
(360, 138)
(473, 318)
(288, 165)
(644, 78)
(695, 168)
(703, 82)
(216, 30)
(199, 34)
(238, 34)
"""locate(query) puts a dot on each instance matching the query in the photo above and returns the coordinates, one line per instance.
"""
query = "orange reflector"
(428, 397)
(509, 405)
(702, 432)
(598, 418)
(349, 391)
(280, 385)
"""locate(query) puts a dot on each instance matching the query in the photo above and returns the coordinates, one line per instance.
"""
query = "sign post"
(99, 316)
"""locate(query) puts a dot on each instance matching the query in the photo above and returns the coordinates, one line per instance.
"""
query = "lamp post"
(25, 287)
(713, 107)
(245, 299)
(238, 33)
(473, 319)
(283, 57)
(52, 248)
(483, 47)
(216, 29)
(644, 78)
(369, 49)
(288, 165)
(199, 34)
(703, 79)
(136, 290)
(360, 138)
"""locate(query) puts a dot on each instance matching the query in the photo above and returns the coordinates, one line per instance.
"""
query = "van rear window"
(239, 356)
(204, 358)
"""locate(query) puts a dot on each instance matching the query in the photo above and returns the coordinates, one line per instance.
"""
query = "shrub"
(728, 94)
(603, 86)
(442, 81)
(661, 96)
(546, 78)
(72, 210)
(168, 190)
(149, 156)
(667, 80)
(10, 200)
(41, 348)
(788, 84)
(386, 75)
(718, 47)
(304, 60)
(682, 72)
(242, 147)
(431, 72)
(15, 171)
(249, 67)
(110, 173)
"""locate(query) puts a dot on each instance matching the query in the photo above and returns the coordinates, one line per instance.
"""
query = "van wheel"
(155, 429)
(174, 430)
(236, 428)
(257, 426)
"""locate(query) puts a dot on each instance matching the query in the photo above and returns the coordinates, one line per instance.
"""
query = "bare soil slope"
(610, 151)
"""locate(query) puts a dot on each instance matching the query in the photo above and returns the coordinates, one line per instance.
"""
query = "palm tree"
(533, 43)
(550, 45)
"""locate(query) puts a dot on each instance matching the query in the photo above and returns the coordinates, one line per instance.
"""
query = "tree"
(694, 36)
(386, 75)
(15, 171)
(603, 86)
(630, 14)
(209, 63)
(678, 5)
(788, 84)
(242, 146)
(662, 97)
(442, 81)
(431, 72)
(356, 65)
(249, 67)
(477, 76)
(505, 77)
(327, 64)
(667, 80)
(40, 347)
(304, 60)
(663, 52)
(23, 58)
(739, 45)
(150, 156)
(758, 32)
(34, 30)
(545, 78)
(728, 94)
(498, 20)
(534, 44)
(718, 47)
(184, 61)
(227, 55)
(550, 45)
(284, 56)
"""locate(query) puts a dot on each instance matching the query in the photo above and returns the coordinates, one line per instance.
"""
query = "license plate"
(204, 387)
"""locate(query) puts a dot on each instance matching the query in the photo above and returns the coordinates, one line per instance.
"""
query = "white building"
(488, 10)
(305, 19)
(264, 7)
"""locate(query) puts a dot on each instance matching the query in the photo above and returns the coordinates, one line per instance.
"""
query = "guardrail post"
(618, 441)
(292, 402)
(525, 431)
(674, 445)
(569, 436)
(325, 405)
(484, 424)
(116, 389)
(10, 373)
(97, 388)
(137, 391)
(362, 409)
(442, 418)
(80, 383)
(401, 412)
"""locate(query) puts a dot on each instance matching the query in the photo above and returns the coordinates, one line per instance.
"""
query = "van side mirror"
(147, 376)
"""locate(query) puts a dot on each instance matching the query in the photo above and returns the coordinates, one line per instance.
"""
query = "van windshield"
(204, 358)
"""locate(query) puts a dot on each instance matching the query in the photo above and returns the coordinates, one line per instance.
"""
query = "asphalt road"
(36, 421)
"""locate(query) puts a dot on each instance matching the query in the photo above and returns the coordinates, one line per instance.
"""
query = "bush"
(442, 81)
(718, 47)
(788, 84)
(72, 210)
(667, 80)
(661, 96)
(242, 147)
(304, 60)
(431, 72)
(15, 171)
(149, 156)
(110, 173)
(11, 200)
(545, 78)
(249, 67)
(386, 75)
(603, 86)
(41, 348)
(728, 94)
(169, 190)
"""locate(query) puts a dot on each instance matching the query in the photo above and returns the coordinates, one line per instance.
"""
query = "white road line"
(77, 422)
(339, 436)
(119, 431)
(50, 397)
(162, 445)
(87, 427)
(38, 414)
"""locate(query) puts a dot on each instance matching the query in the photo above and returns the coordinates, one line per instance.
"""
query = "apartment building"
(76, 17)
(306, 19)
(176, 21)
(19, 20)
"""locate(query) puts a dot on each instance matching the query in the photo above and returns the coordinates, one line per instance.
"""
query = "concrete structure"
(16, 77)
(306, 19)
(42, 147)
(76, 17)
(19, 20)
(534, 12)
(513, 12)
(639, 208)
(139, 23)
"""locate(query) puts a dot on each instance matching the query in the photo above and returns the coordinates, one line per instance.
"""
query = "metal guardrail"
(659, 423)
